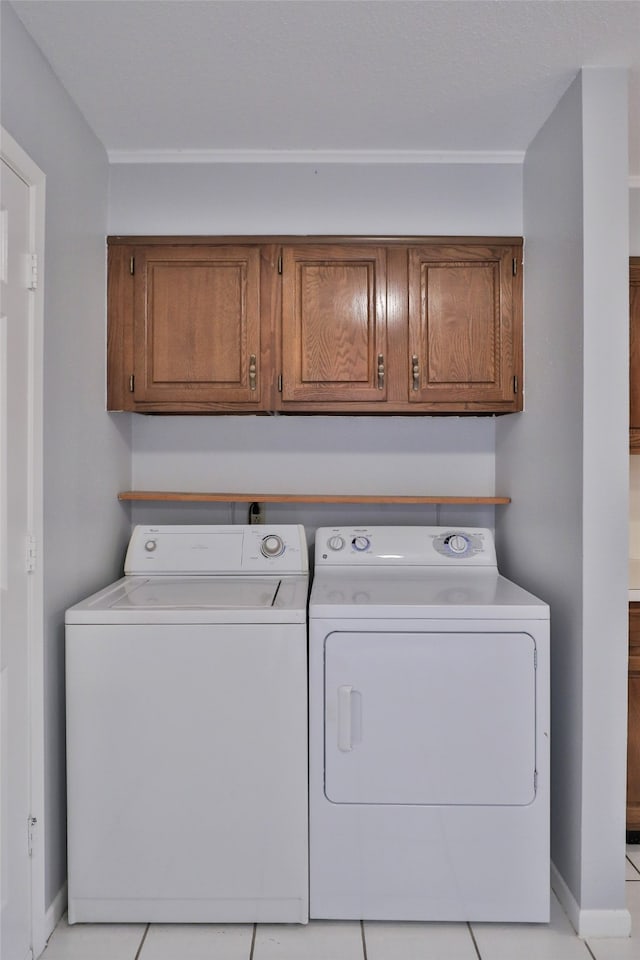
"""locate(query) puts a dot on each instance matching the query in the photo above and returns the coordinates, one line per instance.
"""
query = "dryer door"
(430, 718)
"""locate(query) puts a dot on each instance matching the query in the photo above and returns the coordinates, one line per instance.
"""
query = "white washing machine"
(429, 730)
(187, 731)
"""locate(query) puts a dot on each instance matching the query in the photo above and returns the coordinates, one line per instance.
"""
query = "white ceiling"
(362, 78)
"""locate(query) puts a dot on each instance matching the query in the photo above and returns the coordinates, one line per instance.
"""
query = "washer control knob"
(150, 545)
(335, 543)
(458, 543)
(272, 546)
(361, 543)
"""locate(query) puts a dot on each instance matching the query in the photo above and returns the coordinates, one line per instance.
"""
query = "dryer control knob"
(150, 545)
(272, 546)
(458, 544)
(361, 543)
(335, 543)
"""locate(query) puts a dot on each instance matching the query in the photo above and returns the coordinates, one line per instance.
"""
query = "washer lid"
(196, 599)
(188, 593)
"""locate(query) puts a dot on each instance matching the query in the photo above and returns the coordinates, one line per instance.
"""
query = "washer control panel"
(217, 549)
(398, 546)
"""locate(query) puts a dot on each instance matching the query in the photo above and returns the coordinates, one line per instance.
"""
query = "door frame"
(19, 161)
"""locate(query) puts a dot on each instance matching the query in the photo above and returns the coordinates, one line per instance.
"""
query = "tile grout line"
(473, 940)
(629, 860)
(590, 951)
(144, 937)
(364, 940)
(253, 941)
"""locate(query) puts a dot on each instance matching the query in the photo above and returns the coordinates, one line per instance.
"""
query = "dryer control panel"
(405, 546)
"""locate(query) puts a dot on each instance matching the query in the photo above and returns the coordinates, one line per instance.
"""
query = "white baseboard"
(50, 920)
(589, 923)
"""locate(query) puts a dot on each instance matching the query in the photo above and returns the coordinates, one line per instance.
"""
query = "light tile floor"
(340, 940)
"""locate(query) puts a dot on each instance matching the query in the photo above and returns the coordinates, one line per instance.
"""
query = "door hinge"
(132, 383)
(32, 824)
(514, 266)
(535, 781)
(279, 383)
(31, 554)
(132, 265)
(280, 263)
(515, 383)
(32, 271)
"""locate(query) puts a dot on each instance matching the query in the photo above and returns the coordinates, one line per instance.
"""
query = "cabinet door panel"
(196, 349)
(461, 324)
(333, 323)
(461, 309)
(197, 324)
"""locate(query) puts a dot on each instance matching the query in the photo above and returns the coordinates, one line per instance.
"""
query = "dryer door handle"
(344, 718)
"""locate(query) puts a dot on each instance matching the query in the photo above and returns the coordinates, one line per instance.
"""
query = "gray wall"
(605, 441)
(86, 452)
(398, 455)
(316, 454)
(280, 198)
(565, 535)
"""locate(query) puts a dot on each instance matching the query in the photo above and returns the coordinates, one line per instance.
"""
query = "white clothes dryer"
(429, 730)
(187, 731)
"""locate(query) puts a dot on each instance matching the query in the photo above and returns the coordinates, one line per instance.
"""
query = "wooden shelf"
(174, 496)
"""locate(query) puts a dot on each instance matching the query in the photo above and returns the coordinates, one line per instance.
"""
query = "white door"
(15, 486)
(430, 718)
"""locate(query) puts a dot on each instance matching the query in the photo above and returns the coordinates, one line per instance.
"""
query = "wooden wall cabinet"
(464, 327)
(334, 324)
(633, 733)
(315, 325)
(185, 327)
(634, 354)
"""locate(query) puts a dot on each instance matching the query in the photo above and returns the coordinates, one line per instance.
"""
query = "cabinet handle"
(380, 371)
(252, 371)
(415, 371)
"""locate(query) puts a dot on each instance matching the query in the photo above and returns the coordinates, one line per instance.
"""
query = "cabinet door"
(333, 323)
(633, 736)
(634, 353)
(464, 326)
(197, 325)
